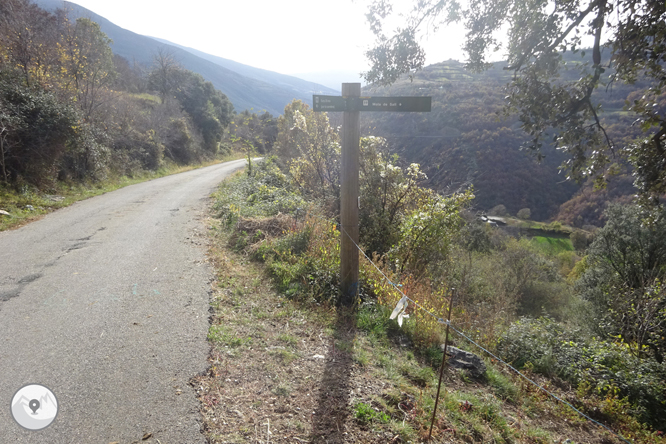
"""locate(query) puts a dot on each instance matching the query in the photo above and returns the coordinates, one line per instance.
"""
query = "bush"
(37, 130)
(498, 210)
(267, 193)
(624, 276)
(305, 263)
(524, 214)
(604, 368)
(579, 240)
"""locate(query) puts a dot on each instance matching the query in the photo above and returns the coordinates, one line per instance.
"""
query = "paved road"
(107, 303)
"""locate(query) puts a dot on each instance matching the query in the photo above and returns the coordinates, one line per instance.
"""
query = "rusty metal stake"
(441, 368)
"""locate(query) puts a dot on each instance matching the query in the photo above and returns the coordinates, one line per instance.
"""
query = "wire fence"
(441, 320)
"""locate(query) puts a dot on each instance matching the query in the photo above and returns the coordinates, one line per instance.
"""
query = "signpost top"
(397, 104)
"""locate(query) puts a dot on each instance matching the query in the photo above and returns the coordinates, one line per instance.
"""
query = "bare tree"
(166, 73)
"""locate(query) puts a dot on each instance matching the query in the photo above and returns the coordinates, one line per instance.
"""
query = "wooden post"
(350, 104)
(351, 134)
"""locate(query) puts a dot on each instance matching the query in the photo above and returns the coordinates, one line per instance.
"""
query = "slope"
(467, 140)
(298, 86)
(258, 92)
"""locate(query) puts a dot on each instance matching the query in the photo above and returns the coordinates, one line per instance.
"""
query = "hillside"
(298, 86)
(246, 87)
(466, 141)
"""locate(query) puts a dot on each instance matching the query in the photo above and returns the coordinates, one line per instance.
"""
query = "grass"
(551, 246)
(365, 414)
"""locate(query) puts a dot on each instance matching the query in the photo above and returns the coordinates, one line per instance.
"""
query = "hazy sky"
(286, 36)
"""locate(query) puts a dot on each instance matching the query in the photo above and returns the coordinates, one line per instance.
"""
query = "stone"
(464, 360)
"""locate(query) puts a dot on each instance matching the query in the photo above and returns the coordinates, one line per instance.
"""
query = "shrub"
(498, 210)
(579, 240)
(306, 262)
(267, 193)
(524, 214)
(623, 279)
(37, 130)
(605, 368)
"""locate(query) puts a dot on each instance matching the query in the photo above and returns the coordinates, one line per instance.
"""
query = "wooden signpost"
(351, 104)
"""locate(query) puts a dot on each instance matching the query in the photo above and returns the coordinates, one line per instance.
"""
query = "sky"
(285, 36)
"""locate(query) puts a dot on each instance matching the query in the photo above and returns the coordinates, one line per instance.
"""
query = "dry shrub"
(268, 226)
(423, 325)
(249, 233)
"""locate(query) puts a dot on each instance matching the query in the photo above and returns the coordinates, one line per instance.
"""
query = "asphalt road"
(106, 303)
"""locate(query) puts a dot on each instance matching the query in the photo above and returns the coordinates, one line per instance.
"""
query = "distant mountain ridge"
(247, 87)
(274, 78)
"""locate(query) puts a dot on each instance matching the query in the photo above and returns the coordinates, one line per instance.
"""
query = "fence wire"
(441, 320)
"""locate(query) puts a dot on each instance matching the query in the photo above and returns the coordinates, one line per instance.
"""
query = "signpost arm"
(351, 134)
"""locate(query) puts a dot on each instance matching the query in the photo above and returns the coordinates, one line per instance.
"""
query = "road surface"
(106, 303)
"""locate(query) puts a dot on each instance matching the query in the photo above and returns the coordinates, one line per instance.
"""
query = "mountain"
(246, 87)
(333, 78)
(281, 80)
(466, 140)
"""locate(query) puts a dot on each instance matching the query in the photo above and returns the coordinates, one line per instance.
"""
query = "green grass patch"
(366, 414)
(222, 335)
(552, 246)
(502, 385)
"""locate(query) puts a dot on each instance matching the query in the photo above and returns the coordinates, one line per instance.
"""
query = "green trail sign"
(397, 104)
(329, 103)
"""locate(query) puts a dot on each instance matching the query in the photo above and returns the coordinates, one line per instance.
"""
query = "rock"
(465, 360)
(4, 213)
(30, 208)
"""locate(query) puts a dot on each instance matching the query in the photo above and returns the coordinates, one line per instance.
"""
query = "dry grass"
(288, 372)
(276, 366)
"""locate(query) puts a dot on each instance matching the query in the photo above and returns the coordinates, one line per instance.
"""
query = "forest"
(585, 310)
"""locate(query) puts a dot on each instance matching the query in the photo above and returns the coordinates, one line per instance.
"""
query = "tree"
(27, 40)
(388, 194)
(166, 75)
(130, 78)
(624, 277)
(579, 240)
(36, 130)
(257, 131)
(627, 40)
(209, 108)
(88, 63)
(311, 148)
(498, 210)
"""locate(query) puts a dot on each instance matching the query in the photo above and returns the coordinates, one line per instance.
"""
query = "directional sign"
(403, 104)
(352, 102)
(329, 103)
(398, 104)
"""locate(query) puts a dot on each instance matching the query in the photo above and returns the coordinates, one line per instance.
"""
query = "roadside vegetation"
(559, 306)
(30, 203)
(76, 120)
